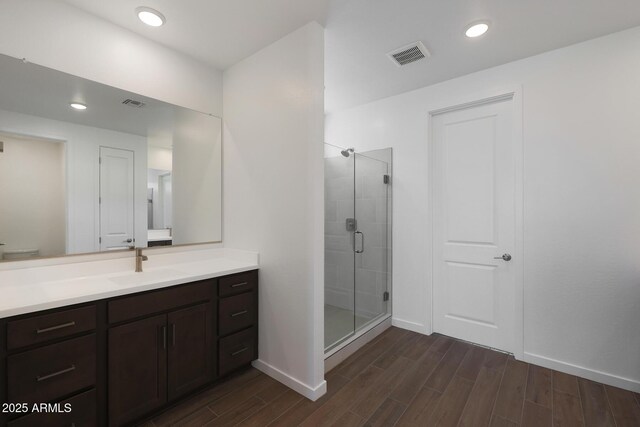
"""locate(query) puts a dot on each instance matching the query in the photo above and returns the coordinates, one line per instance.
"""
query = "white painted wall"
(57, 35)
(581, 203)
(83, 173)
(195, 178)
(32, 190)
(159, 157)
(273, 197)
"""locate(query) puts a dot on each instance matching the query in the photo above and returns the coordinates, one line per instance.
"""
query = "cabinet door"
(191, 352)
(137, 369)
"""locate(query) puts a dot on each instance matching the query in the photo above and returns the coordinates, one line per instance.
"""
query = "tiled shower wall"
(372, 210)
(339, 205)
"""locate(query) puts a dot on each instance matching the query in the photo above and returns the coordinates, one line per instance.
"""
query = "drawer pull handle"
(55, 374)
(243, 349)
(240, 313)
(55, 328)
(237, 285)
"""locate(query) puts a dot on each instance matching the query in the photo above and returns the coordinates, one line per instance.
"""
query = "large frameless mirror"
(86, 167)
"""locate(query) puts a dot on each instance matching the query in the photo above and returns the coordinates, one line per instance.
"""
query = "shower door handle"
(362, 240)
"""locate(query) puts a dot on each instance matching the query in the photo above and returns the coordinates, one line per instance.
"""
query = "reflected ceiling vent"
(133, 103)
(408, 54)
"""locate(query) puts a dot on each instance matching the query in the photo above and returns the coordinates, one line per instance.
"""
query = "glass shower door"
(339, 309)
(357, 241)
(372, 237)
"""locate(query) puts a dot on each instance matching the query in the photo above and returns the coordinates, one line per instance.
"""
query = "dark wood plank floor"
(407, 379)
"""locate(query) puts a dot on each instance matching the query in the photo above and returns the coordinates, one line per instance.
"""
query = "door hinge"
(386, 179)
(99, 200)
(385, 296)
(99, 160)
(99, 239)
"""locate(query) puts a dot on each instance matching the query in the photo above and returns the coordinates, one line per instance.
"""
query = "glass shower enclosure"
(357, 242)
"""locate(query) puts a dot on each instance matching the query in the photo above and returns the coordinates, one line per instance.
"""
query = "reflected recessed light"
(477, 29)
(150, 16)
(78, 106)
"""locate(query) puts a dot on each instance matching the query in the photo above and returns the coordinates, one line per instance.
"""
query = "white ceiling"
(217, 32)
(361, 32)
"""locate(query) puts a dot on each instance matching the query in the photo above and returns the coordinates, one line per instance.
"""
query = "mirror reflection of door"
(116, 199)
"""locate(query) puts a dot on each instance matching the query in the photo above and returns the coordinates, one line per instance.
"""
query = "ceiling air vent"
(133, 103)
(408, 54)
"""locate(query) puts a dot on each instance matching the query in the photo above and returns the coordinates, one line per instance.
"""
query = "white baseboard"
(411, 326)
(580, 371)
(311, 393)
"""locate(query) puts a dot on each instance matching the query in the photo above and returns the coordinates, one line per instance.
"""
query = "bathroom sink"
(146, 277)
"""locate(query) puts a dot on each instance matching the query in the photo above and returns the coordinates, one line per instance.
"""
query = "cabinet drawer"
(158, 301)
(236, 313)
(237, 350)
(238, 283)
(39, 329)
(83, 414)
(52, 371)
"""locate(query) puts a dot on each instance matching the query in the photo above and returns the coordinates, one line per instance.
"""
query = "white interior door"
(116, 199)
(474, 288)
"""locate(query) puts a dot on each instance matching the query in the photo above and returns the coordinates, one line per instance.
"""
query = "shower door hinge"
(385, 296)
(386, 179)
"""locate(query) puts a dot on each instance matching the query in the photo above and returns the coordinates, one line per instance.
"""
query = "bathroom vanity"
(122, 359)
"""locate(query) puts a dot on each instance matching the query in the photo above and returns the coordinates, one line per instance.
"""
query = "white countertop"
(34, 289)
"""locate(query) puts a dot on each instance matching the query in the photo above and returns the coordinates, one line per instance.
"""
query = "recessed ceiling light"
(78, 106)
(150, 16)
(477, 29)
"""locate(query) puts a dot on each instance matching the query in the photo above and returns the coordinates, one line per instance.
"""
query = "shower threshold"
(348, 339)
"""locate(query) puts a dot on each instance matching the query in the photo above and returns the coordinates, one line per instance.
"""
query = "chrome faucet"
(139, 259)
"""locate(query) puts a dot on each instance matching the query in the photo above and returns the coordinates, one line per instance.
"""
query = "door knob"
(128, 241)
(505, 257)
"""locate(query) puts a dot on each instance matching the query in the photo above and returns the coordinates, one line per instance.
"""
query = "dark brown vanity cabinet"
(158, 359)
(50, 357)
(237, 321)
(121, 360)
(137, 369)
